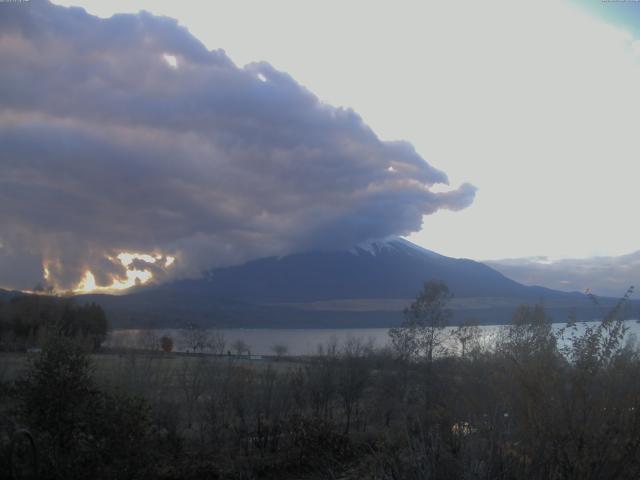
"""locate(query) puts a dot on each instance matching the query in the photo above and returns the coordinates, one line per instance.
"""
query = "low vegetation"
(535, 403)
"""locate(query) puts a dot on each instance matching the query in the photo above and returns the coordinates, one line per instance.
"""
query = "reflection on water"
(260, 341)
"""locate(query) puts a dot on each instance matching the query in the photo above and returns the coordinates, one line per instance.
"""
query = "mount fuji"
(368, 285)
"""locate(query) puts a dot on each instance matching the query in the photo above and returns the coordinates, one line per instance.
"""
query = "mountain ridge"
(393, 269)
(365, 286)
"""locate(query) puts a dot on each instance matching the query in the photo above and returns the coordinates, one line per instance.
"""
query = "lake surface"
(298, 341)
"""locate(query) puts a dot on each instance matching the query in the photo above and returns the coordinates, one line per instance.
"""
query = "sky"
(506, 130)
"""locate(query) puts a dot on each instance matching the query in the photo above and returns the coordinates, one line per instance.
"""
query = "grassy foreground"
(536, 404)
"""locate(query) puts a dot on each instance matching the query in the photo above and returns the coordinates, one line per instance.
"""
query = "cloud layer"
(127, 135)
(608, 276)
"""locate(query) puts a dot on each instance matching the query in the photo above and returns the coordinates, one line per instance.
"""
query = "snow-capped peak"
(373, 247)
(391, 243)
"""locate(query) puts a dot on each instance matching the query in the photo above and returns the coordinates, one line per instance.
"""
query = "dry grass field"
(150, 370)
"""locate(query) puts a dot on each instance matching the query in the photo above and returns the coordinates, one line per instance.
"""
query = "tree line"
(26, 321)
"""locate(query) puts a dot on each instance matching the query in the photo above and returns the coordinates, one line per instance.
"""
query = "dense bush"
(82, 432)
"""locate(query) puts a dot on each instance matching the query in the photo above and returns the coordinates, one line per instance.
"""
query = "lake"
(298, 341)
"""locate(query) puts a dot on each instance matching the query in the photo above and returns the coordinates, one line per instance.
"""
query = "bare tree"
(422, 332)
(356, 347)
(330, 349)
(192, 380)
(467, 336)
(216, 342)
(353, 376)
(195, 338)
(240, 346)
(148, 340)
(280, 350)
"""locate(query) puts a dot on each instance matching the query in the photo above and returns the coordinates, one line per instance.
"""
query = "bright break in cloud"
(126, 136)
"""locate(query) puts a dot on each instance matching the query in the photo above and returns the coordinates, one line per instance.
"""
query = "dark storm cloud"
(106, 147)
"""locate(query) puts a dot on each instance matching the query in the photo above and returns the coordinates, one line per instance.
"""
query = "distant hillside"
(367, 286)
(601, 275)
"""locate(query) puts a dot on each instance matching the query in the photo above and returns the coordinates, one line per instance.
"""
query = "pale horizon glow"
(536, 104)
(133, 278)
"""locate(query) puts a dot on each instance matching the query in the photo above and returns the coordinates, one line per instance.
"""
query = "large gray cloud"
(107, 147)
